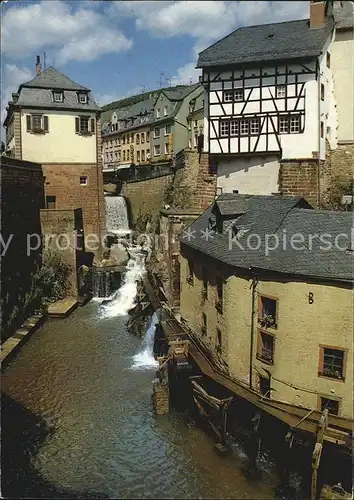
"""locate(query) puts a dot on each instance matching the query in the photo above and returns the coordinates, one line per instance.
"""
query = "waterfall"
(117, 215)
(145, 357)
(101, 283)
(124, 299)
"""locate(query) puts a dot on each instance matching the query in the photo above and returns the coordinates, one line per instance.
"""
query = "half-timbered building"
(269, 99)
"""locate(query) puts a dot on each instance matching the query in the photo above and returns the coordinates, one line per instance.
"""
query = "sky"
(122, 48)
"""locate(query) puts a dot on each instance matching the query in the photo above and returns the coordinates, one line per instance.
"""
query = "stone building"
(195, 120)
(266, 286)
(56, 122)
(279, 104)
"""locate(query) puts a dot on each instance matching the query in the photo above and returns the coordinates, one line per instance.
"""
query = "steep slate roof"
(266, 42)
(282, 217)
(41, 97)
(343, 14)
(179, 94)
(51, 78)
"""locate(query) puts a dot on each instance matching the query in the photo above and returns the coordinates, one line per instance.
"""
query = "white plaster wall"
(61, 144)
(342, 50)
(248, 175)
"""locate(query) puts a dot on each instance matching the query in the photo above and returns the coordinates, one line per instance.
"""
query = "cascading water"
(144, 359)
(124, 299)
(101, 283)
(117, 215)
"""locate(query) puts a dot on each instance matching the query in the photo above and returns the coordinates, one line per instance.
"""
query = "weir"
(116, 215)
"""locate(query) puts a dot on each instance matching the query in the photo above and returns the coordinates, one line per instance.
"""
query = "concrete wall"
(61, 143)
(22, 197)
(302, 327)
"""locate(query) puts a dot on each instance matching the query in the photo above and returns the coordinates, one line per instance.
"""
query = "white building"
(270, 97)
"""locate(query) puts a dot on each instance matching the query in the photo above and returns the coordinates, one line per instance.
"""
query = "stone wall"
(145, 198)
(22, 197)
(59, 229)
(299, 178)
(63, 182)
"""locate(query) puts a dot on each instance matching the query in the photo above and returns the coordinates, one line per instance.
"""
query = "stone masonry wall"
(63, 182)
(22, 197)
(299, 178)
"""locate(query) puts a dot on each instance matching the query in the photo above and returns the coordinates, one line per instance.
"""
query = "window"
(234, 128)
(322, 129)
(143, 156)
(265, 351)
(165, 113)
(218, 338)
(167, 129)
(238, 95)
(328, 60)
(147, 154)
(124, 155)
(37, 123)
(219, 295)
(156, 132)
(119, 156)
(158, 113)
(142, 137)
(132, 138)
(331, 363)
(85, 125)
(147, 136)
(157, 150)
(190, 276)
(267, 312)
(322, 92)
(128, 138)
(281, 91)
(123, 139)
(83, 180)
(138, 156)
(254, 125)
(83, 98)
(228, 95)
(294, 124)
(138, 138)
(189, 143)
(283, 125)
(50, 202)
(224, 128)
(332, 405)
(167, 148)
(264, 386)
(118, 141)
(58, 97)
(244, 127)
(204, 324)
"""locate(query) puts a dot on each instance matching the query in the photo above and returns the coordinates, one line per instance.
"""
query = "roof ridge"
(79, 86)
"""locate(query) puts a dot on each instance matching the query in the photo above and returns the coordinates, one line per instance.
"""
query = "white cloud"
(186, 75)
(77, 34)
(13, 76)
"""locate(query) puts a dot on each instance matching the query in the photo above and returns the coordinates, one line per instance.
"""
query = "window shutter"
(92, 121)
(77, 125)
(29, 124)
(45, 123)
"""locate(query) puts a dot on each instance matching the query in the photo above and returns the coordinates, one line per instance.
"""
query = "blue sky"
(120, 48)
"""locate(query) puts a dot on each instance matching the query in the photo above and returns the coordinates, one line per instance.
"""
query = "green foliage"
(177, 193)
(339, 188)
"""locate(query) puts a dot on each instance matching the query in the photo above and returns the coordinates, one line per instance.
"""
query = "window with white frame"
(167, 129)
(138, 156)
(244, 127)
(142, 137)
(281, 91)
(165, 113)
(254, 126)
(143, 155)
(238, 95)
(283, 125)
(158, 113)
(234, 127)
(119, 156)
(37, 123)
(156, 132)
(224, 128)
(157, 150)
(83, 98)
(58, 97)
(228, 95)
(124, 153)
(294, 124)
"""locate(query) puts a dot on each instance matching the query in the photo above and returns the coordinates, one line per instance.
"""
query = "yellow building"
(266, 285)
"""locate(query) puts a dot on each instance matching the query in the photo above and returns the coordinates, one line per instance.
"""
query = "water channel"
(78, 419)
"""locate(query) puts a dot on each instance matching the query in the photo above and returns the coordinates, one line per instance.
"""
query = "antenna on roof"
(44, 63)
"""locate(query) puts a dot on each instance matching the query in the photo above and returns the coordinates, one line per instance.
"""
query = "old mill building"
(280, 319)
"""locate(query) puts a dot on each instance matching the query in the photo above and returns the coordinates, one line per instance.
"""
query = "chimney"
(38, 65)
(317, 14)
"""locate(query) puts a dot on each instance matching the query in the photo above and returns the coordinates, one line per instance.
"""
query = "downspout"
(253, 312)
